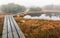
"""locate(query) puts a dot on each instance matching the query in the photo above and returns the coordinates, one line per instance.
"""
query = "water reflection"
(44, 16)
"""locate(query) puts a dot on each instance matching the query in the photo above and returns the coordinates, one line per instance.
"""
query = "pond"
(43, 16)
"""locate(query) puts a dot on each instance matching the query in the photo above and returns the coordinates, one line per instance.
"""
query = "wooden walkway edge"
(11, 29)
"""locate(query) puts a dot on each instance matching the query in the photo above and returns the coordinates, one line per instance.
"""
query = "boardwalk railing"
(11, 29)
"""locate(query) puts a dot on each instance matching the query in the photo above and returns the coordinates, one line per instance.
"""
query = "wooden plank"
(6, 29)
(4, 33)
(9, 30)
(20, 34)
(13, 29)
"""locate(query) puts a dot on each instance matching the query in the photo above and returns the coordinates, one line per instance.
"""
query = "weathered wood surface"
(11, 29)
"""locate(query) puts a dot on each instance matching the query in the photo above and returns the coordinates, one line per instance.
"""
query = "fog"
(43, 16)
(29, 3)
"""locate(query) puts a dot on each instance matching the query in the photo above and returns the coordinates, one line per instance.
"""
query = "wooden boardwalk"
(11, 29)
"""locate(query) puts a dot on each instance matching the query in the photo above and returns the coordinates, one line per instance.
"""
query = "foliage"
(52, 7)
(35, 9)
(12, 8)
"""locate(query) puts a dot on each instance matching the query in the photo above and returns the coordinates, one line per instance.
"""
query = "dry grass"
(1, 23)
(35, 28)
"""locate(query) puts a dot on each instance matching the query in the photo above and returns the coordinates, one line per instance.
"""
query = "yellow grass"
(39, 28)
(1, 23)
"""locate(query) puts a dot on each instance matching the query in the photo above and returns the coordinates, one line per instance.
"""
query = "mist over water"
(43, 16)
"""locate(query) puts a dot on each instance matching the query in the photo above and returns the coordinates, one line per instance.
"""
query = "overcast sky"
(29, 3)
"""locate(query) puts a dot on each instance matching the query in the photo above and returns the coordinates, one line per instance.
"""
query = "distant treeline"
(52, 7)
(15, 8)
